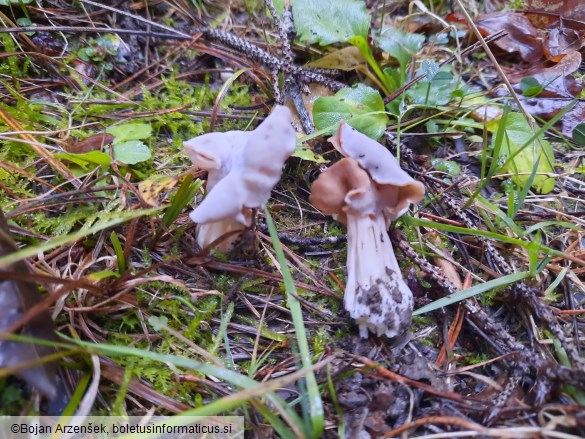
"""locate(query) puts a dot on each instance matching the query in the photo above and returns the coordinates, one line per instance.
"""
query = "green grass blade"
(498, 140)
(523, 192)
(538, 226)
(119, 252)
(470, 292)
(76, 236)
(315, 403)
(184, 195)
(251, 387)
(478, 232)
(75, 399)
(501, 215)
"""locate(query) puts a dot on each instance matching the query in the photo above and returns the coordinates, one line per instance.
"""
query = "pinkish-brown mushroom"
(366, 191)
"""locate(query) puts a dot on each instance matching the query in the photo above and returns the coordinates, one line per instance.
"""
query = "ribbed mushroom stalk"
(375, 294)
(243, 168)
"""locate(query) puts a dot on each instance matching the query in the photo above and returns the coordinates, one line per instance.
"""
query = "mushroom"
(365, 191)
(243, 168)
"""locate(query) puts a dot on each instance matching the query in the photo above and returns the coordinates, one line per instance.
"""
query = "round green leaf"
(519, 154)
(131, 152)
(130, 131)
(361, 106)
(326, 22)
(83, 159)
(530, 86)
(400, 45)
(579, 134)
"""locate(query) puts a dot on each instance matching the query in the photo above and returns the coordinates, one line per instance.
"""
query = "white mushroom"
(243, 168)
(365, 192)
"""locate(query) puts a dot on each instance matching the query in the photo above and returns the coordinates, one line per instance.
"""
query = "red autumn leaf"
(522, 37)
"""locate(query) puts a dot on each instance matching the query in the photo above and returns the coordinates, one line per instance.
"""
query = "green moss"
(11, 398)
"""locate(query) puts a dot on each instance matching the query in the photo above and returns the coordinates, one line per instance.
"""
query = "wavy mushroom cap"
(216, 152)
(397, 189)
(341, 187)
(249, 165)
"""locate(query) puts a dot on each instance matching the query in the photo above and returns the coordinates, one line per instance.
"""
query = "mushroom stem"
(209, 232)
(375, 294)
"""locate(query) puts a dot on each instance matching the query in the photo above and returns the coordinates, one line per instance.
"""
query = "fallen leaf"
(346, 59)
(547, 108)
(151, 188)
(554, 9)
(557, 80)
(561, 40)
(16, 298)
(93, 143)
(306, 153)
(522, 37)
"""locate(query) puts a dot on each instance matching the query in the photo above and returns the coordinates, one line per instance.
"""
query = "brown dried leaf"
(559, 41)
(547, 108)
(93, 143)
(522, 36)
(557, 79)
(348, 58)
(16, 298)
(553, 9)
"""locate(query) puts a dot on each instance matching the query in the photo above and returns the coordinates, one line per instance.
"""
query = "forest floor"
(96, 188)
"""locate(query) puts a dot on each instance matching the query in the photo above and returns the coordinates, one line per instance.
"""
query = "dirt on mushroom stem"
(376, 295)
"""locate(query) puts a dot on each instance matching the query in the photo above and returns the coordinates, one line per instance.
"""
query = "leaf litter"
(97, 188)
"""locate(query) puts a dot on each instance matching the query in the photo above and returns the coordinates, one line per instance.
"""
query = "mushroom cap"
(344, 186)
(216, 152)
(397, 189)
(248, 165)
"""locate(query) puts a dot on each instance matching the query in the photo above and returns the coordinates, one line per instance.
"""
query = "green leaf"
(400, 45)
(131, 152)
(519, 154)
(130, 131)
(579, 134)
(96, 157)
(306, 153)
(326, 22)
(446, 166)
(158, 323)
(361, 106)
(530, 86)
(279, 6)
(438, 91)
(429, 68)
